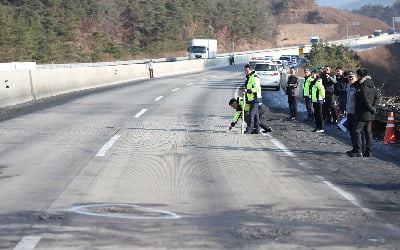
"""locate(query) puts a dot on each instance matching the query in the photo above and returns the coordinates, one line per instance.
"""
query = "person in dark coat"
(292, 91)
(328, 108)
(341, 90)
(366, 98)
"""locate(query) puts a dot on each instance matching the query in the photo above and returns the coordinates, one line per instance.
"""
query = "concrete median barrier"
(52, 82)
(32, 85)
(15, 88)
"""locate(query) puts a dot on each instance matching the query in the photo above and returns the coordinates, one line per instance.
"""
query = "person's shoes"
(269, 129)
(355, 154)
(291, 118)
(349, 152)
(367, 155)
(318, 130)
(246, 132)
(255, 132)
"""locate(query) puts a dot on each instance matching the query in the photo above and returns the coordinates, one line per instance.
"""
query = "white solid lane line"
(189, 84)
(28, 243)
(158, 98)
(102, 152)
(140, 113)
(348, 196)
(175, 89)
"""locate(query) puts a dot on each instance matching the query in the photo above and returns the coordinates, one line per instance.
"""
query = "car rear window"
(265, 67)
(285, 58)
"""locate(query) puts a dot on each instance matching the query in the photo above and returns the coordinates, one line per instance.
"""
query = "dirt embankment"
(383, 65)
(327, 23)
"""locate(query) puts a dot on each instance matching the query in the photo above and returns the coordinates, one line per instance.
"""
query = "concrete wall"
(32, 85)
(20, 89)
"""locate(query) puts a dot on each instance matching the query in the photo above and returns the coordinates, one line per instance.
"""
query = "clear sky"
(343, 3)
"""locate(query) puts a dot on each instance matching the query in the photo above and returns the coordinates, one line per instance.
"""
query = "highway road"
(152, 165)
(372, 45)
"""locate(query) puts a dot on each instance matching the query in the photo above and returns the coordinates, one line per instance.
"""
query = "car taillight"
(276, 74)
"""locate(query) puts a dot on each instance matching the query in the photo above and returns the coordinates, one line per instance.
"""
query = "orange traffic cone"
(390, 132)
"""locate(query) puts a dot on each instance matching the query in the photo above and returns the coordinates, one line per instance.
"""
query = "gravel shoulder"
(374, 181)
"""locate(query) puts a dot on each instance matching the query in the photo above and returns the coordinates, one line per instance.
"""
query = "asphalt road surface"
(152, 165)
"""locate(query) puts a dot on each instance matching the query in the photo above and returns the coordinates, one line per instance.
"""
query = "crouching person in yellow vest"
(237, 105)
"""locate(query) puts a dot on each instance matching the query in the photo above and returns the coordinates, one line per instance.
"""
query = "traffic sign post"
(396, 19)
(350, 24)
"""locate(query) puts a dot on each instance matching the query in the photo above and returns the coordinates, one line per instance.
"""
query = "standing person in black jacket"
(341, 90)
(366, 99)
(328, 109)
(292, 92)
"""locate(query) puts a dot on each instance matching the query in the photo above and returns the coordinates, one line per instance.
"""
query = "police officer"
(317, 98)
(251, 91)
(307, 95)
(238, 105)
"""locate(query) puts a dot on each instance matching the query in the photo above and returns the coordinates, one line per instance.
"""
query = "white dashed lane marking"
(140, 113)
(28, 243)
(158, 98)
(175, 89)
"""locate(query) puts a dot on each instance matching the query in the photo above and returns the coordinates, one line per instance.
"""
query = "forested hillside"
(67, 31)
(385, 13)
(89, 30)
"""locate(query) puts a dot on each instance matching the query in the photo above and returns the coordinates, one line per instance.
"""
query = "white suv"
(269, 75)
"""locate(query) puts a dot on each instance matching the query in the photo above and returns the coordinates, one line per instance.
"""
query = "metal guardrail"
(349, 42)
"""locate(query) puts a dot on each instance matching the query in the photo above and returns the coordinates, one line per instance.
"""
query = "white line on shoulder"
(102, 152)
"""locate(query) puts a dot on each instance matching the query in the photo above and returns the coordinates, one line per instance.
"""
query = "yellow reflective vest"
(306, 86)
(239, 110)
(252, 87)
(317, 90)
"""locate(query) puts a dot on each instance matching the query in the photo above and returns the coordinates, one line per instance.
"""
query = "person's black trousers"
(352, 121)
(319, 122)
(329, 110)
(342, 103)
(292, 106)
(363, 127)
(254, 118)
(309, 106)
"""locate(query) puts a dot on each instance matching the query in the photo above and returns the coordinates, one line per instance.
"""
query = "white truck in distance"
(203, 49)
(314, 40)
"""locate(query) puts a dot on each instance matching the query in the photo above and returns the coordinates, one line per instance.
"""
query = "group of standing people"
(357, 97)
(355, 91)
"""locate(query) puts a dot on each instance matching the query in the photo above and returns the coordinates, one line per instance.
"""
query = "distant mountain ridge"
(355, 4)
